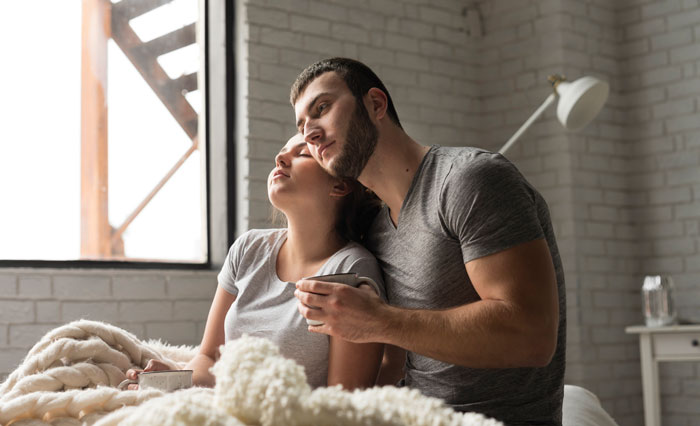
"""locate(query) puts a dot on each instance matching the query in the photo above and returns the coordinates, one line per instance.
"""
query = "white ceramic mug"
(167, 380)
(349, 279)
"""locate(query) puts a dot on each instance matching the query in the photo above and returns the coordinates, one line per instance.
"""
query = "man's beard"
(360, 142)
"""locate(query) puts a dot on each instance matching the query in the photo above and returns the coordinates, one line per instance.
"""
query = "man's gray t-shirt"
(463, 204)
(265, 306)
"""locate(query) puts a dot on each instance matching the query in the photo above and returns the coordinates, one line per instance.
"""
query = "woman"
(255, 294)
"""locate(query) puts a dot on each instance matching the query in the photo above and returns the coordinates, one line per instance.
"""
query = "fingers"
(310, 313)
(311, 299)
(312, 304)
(156, 365)
(318, 287)
(132, 373)
(320, 329)
(152, 365)
(319, 293)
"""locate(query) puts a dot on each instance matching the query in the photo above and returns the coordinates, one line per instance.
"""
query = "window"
(103, 131)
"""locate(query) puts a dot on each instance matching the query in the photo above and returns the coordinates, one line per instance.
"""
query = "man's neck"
(390, 170)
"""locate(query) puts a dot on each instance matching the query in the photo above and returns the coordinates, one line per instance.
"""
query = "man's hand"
(353, 314)
(153, 365)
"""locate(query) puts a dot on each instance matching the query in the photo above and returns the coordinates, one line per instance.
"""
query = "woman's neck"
(311, 240)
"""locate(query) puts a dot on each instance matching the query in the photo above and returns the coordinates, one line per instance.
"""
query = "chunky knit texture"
(69, 378)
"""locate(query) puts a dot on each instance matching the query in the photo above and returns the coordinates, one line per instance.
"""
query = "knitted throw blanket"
(70, 376)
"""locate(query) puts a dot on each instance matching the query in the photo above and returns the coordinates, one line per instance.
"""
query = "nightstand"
(656, 344)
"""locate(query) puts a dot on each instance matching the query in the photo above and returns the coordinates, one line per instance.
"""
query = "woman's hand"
(153, 365)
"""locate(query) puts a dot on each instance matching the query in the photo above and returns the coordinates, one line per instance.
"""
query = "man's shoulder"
(468, 158)
(461, 153)
(464, 167)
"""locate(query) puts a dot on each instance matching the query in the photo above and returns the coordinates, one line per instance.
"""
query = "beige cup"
(349, 279)
(167, 381)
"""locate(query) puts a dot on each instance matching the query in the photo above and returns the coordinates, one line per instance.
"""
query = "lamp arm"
(547, 102)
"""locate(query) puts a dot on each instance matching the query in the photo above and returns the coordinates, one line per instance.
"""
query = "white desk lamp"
(579, 103)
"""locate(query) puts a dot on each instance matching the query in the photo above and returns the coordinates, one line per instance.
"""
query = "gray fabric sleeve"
(368, 267)
(488, 206)
(227, 276)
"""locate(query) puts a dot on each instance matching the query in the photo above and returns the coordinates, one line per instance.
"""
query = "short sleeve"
(356, 259)
(368, 267)
(488, 205)
(227, 276)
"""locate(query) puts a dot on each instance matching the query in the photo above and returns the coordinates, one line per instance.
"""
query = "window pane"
(114, 174)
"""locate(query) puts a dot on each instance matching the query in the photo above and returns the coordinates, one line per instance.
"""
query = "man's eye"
(321, 107)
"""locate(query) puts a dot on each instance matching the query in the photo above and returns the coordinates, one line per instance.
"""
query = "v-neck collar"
(411, 189)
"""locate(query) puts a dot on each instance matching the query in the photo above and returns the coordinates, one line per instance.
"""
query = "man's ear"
(376, 103)
(340, 189)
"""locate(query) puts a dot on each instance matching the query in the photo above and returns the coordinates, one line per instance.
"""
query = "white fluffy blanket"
(69, 378)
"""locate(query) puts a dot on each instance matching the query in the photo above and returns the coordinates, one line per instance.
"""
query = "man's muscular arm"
(513, 325)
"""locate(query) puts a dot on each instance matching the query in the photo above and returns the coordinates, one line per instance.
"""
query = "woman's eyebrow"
(284, 149)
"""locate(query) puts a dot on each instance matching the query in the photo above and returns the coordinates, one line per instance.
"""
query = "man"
(473, 275)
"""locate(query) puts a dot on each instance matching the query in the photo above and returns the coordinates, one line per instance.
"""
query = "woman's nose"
(281, 160)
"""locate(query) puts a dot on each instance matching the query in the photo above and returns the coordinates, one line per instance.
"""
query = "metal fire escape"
(101, 21)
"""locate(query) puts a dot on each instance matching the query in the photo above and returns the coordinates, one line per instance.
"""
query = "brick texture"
(167, 305)
(418, 49)
(624, 193)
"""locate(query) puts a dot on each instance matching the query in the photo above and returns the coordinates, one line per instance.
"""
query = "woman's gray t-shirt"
(265, 306)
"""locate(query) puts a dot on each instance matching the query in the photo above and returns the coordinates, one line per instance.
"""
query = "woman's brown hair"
(356, 212)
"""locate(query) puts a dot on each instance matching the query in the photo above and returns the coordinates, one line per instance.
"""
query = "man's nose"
(312, 135)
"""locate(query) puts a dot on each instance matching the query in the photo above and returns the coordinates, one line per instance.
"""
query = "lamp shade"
(580, 101)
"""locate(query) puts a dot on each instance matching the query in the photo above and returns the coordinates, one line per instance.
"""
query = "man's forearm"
(483, 334)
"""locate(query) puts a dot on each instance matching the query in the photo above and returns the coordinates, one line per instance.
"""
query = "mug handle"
(370, 282)
(126, 383)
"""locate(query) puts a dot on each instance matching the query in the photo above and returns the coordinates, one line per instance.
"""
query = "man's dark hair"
(357, 76)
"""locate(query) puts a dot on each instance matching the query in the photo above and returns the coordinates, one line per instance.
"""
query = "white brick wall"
(167, 305)
(624, 193)
(418, 48)
(668, 160)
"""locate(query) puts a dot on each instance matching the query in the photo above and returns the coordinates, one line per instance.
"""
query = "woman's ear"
(340, 189)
